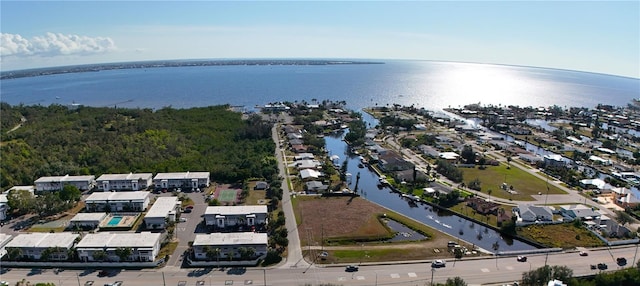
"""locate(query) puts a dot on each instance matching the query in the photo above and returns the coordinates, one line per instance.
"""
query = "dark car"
(522, 259)
(602, 266)
(351, 268)
(103, 273)
(621, 261)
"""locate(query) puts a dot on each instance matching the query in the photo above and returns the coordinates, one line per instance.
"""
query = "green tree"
(543, 274)
(99, 255)
(70, 193)
(123, 253)
(21, 201)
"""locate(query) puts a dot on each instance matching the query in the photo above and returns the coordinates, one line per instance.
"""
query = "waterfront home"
(392, 161)
(304, 156)
(310, 174)
(106, 246)
(315, 186)
(225, 217)
(553, 160)
(185, 180)
(87, 221)
(228, 246)
(41, 246)
(117, 201)
(56, 183)
(124, 182)
(306, 164)
(163, 209)
(531, 213)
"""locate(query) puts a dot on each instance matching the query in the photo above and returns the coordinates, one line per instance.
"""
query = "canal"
(444, 221)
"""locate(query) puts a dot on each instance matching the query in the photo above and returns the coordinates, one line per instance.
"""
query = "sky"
(593, 36)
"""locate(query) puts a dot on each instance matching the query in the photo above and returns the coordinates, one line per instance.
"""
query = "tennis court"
(227, 195)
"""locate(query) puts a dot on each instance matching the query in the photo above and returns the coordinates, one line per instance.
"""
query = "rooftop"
(66, 178)
(43, 240)
(118, 196)
(122, 239)
(88, 217)
(162, 206)
(233, 238)
(235, 210)
(182, 175)
(123, 177)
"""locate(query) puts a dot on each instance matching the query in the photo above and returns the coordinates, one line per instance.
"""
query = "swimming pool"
(114, 221)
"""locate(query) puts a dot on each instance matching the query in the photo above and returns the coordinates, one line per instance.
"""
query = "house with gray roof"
(579, 211)
(531, 213)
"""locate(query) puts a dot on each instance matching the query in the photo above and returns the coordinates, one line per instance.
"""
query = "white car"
(183, 219)
(438, 263)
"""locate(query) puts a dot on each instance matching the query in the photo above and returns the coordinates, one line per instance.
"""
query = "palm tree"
(123, 253)
(14, 253)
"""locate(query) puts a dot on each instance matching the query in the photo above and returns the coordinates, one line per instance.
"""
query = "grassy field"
(560, 235)
(524, 184)
(353, 227)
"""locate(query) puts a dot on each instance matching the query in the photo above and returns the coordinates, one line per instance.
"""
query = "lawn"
(524, 184)
(564, 235)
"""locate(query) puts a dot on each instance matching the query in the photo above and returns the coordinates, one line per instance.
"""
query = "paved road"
(473, 271)
(294, 258)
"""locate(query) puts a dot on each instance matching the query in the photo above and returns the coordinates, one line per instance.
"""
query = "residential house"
(117, 201)
(482, 206)
(579, 211)
(407, 176)
(56, 183)
(224, 217)
(105, 246)
(185, 180)
(315, 186)
(219, 246)
(529, 158)
(304, 156)
(163, 209)
(87, 220)
(553, 160)
(124, 182)
(625, 198)
(306, 164)
(392, 161)
(429, 151)
(449, 156)
(310, 174)
(43, 245)
(531, 213)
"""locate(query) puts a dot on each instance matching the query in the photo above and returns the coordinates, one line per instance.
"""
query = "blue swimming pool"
(114, 221)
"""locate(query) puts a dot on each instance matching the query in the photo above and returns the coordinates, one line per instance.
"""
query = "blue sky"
(593, 36)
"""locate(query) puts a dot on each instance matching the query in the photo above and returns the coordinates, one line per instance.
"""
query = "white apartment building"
(102, 246)
(124, 182)
(117, 201)
(181, 180)
(56, 183)
(163, 209)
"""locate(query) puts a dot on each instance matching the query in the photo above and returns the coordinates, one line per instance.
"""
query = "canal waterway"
(444, 221)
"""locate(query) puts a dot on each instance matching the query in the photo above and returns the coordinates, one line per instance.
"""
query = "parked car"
(351, 268)
(438, 263)
(584, 253)
(88, 283)
(602, 266)
(183, 219)
(522, 258)
(621, 261)
(103, 273)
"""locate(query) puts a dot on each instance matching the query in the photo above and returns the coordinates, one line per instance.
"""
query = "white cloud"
(53, 44)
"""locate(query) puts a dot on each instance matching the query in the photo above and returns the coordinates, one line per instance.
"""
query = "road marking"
(412, 274)
(485, 270)
(509, 267)
(342, 278)
(360, 277)
(395, 275)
